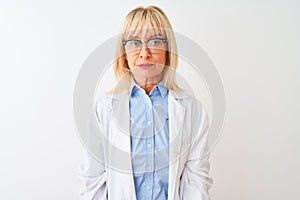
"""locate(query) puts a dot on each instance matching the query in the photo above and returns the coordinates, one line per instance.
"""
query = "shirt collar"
(134, 87)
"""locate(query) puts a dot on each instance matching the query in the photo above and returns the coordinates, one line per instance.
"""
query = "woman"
(154, 134)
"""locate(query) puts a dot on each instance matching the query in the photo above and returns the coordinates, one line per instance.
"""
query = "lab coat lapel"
(176, 118)
(120, 140)
(120, 134)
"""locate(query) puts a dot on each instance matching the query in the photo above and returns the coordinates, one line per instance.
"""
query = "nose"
(145, 52)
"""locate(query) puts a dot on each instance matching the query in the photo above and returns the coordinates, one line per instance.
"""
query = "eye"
(134, 43)
(155, 42)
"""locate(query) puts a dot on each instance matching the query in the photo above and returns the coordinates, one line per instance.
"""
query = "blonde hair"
(138, 18)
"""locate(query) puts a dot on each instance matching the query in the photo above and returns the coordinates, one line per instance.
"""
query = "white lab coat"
(188, 135)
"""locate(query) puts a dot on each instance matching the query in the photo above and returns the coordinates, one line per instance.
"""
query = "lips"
(146, 65)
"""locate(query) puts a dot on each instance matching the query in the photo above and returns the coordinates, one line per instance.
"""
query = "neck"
(148, 84)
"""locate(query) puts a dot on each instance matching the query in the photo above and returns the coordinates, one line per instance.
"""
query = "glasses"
(154, 45)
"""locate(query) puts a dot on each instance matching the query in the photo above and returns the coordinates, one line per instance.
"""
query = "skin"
(147, 78)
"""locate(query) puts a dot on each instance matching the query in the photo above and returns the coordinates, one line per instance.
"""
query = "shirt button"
(148, 187)
(149, 122)
(148, 167)
(149, 145)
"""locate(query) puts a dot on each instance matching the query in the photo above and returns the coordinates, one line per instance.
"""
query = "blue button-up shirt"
(149, 129)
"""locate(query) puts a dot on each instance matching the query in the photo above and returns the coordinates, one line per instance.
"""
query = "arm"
(92, 172)
(92, 179)
(195, 181)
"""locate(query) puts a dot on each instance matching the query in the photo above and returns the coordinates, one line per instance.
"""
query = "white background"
(255, 46)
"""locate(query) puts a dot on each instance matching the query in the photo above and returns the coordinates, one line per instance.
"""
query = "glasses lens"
(156, 44)
(133, 45)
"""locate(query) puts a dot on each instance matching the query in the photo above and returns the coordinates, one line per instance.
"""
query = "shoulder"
(102, 106)
(193, 107)
(105, 103)
(185, 98)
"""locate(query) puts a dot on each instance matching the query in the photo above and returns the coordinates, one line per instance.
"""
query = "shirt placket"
(149, 149)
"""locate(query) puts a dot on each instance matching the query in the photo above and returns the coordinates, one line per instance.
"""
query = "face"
(147, 60)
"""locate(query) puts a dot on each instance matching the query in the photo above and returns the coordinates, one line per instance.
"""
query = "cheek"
(130, 61)
(162, 59)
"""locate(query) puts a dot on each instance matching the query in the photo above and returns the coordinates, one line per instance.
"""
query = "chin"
(147, 73)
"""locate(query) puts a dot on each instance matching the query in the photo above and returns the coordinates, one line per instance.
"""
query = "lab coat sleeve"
(92, 173)
(92, 179)
(195, 181)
